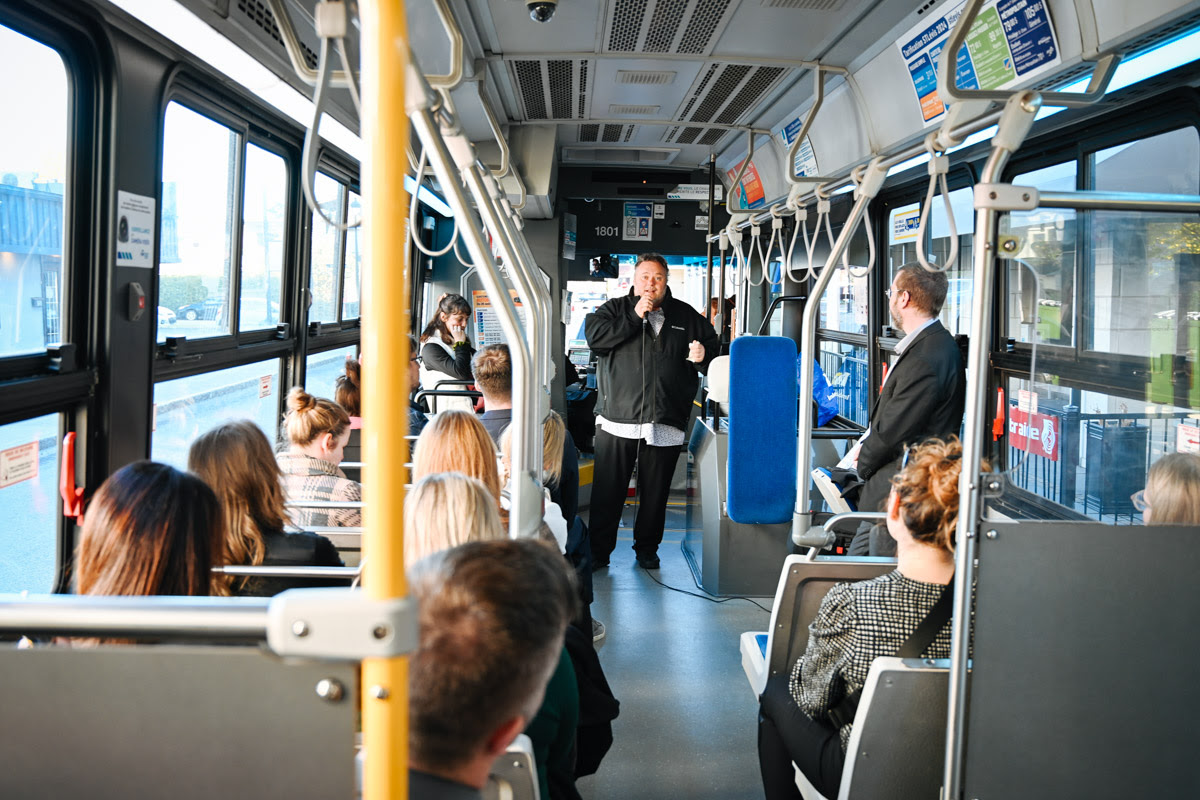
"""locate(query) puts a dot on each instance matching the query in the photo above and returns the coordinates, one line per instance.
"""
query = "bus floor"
(687, 726)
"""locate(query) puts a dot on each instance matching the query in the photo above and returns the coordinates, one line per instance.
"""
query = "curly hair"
(928, 490)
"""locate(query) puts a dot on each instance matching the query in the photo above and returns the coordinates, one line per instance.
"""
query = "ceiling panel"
(573, 29)
(607, 90)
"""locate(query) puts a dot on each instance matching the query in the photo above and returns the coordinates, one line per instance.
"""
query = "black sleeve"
(903, 419)
(566, 493)
(326, 554)
(611, 325)
(459, 367)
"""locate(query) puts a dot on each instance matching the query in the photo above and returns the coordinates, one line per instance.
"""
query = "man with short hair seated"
(492, 619)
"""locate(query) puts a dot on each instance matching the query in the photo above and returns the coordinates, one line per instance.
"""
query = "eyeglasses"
(912, 451)
(1139, 500)
(417, 359)
(888, 293)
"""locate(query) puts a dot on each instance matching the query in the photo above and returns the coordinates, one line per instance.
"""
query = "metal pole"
(1120, 201)
(712, 210)
(721, 290)
(872, 180)
(385, 340)
(206, 618)
(1018, 116)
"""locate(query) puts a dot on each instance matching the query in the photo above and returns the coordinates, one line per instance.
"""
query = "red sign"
(1033, 433)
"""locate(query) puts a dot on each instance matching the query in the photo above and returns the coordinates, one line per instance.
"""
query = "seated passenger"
(1172, 493)
(446, 509)
(150, 530)
(416, 415)
(236, 461)
(348, 395)
(492, 618)
(456, 441)
(446, 351)
(316, 431)
(553, 432)
(858, 622)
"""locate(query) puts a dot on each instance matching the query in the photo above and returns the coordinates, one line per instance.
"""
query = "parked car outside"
(165, 316)
(209, 308)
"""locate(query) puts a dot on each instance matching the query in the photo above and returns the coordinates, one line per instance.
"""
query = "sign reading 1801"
(608, 230)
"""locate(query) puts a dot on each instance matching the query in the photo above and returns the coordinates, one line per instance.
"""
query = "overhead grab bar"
(505, 167)
(801, 224)
(947, 78)
(857, 176)
(789, 171)
(737, 179)
(444, 83)
(939, 165)
(291, 43)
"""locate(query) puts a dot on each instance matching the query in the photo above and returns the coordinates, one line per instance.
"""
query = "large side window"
(324, 269)
(33, 193)
(200, 171)
(263, 229)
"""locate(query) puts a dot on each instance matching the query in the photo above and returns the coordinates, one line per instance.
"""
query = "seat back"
(718, 379)
(803, 584)
(761, 473)
(898, 743)
(128, 721)
(514, 775)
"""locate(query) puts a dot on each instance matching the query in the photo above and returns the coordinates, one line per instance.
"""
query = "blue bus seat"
(762, 430)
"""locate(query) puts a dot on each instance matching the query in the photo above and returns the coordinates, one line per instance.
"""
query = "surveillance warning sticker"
(639, 222)
(135, 230)
(1011, 42)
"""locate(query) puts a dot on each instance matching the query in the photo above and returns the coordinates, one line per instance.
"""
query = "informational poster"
(806, 160)
(751, 188)
(1036, 434)
(702, 222)
(135, 230)
(1011, 42)
(18, 464)
(639, 222)
(695, 191)
(570, 237)
(906, 221)
(487, 321)
(1187, 439)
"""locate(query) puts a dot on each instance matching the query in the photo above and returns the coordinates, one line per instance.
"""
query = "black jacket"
(643, 377)
(924, 395)
(294, 549)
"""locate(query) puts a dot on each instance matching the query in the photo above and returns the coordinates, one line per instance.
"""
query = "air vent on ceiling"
(657, 26)
(725, 95)
(805, 5)
(259, 14)
(712, 136)
(533, 89)
(629, 132)
(689, 135)
(583, 79)
(589, 133)
(641, 77)
(561, 88)
(611, 133)
(581, 154)
(550, 89)
(632, 111)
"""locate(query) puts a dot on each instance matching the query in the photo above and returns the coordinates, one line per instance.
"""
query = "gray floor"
(687, 723)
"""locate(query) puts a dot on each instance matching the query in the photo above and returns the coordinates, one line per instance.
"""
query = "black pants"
(615, 458)
(787, 735)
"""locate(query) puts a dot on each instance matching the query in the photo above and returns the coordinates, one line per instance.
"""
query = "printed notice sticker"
(639, 222)
(264, 386)
(906, 221)
(1187, 439)
(1011, 42)
(18, 464)
(1027, 401)
(806, 160)
(135, 230)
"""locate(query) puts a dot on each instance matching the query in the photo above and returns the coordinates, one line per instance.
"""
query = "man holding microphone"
(652, 349)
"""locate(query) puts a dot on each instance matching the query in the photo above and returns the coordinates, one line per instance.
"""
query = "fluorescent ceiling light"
(192, 34)
(427, 197)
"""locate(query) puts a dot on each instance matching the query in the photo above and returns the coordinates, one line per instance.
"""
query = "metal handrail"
(312, 571)
(291, 43)
(208, 618)
(818, 539)
(785, 298)
(455, 76)
(948, 90)
(325, 504)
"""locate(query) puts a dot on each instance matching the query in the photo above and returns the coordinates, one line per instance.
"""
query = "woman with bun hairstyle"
(236, 461)
(858, 622)
(316, 431)
(446, 352)
(151, 530)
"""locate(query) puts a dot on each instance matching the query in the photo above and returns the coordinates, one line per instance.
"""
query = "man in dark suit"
(923, 394)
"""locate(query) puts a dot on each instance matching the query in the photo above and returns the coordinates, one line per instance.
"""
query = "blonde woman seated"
(858, 622)
(456, 441)
(316, 431)
(1172, 493)
(553, 437)
(236, 461)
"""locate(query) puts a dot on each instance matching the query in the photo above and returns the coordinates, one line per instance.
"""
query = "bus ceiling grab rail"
(451, 171)
(291, 43)
(950, 92)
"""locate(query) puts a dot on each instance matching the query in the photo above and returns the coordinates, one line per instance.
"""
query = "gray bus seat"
(898, 743)
(188, 722)
(803, 584)
(514, 775)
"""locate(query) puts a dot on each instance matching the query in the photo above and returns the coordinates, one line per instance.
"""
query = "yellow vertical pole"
(384, 129)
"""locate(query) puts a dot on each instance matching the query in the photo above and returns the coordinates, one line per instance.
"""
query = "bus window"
(1144, 291)
(326, 250)
(264, 225)
(29, 495)
(352, 281)
(196, 250)
(322, 369)
(184, 408)
(33, 148)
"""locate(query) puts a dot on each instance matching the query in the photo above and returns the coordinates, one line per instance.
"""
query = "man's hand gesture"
(695, 352)
(644, 306)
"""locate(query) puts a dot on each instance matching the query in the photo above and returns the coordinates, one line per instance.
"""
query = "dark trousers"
(615, 458)
(787, 735)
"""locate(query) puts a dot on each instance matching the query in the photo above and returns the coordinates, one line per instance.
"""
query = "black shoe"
(599, 563)
(648, 562)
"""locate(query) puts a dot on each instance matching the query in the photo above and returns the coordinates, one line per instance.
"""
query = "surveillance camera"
(541, 10)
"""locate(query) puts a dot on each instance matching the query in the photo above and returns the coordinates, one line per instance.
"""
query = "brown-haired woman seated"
(316, 431)
(347, 393)
(858, 622)
(236, 461)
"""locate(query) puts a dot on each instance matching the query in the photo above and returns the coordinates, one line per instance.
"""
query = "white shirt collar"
(907, 341)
